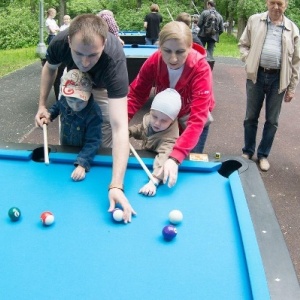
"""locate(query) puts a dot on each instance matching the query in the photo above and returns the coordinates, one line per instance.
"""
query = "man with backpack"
(211, 26)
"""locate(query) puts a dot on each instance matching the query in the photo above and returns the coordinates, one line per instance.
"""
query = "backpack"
(211, 24)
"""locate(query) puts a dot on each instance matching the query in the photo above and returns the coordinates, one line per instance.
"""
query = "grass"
(227, 46)
(12, 60)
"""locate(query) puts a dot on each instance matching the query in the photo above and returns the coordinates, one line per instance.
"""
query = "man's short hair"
(89, 25)
(211, 3)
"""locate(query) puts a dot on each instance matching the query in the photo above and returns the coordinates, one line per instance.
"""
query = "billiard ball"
(169, 232)
(47, 218)
(218, 155)
(117, 214)
(175, 216)
(14, 213)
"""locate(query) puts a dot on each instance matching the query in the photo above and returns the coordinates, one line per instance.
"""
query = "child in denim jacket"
(80, 117)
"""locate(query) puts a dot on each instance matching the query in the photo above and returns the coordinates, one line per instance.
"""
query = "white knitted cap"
(167, 102)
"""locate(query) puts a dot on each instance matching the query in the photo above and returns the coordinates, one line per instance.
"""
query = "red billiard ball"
(169, 232)
(47, 218)
(14, 213)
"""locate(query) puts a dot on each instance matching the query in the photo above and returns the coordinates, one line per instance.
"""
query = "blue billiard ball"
(169, 232)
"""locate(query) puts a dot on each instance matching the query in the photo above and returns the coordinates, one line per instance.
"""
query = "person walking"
(151, 24)
(269, 46)
(211, 27)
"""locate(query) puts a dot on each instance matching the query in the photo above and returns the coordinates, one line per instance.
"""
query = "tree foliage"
(19, 19)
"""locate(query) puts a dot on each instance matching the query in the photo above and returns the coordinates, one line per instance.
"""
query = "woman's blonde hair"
(50, 11)
(176, 30)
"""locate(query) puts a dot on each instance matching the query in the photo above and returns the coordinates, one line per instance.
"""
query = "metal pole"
(41, 47)
(195, 7)
(170, 14)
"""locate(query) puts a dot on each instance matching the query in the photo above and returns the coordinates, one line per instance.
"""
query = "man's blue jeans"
(266, 88)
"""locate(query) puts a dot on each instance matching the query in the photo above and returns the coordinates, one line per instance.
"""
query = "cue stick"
(46, 154)
(195, 7)
(143, 165)
(170, 15)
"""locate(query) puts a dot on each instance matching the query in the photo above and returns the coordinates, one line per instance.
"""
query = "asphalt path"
(19, 92)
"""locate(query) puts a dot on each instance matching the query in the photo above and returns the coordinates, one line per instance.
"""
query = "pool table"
(136, 56)
(228, 246)
(133, 37)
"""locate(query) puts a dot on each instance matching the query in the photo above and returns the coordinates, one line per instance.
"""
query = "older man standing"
(269, 47)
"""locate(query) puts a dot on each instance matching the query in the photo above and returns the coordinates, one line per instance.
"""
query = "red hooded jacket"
(194, 86)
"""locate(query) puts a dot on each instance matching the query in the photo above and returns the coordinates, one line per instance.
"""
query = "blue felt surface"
(85, 255)
(143, 51)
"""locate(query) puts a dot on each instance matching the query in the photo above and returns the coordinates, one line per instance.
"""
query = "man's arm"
(120, 152)
(47, 79)
(145, 25)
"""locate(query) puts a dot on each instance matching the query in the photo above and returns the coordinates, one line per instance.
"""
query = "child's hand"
(78, 174)
(148, 189)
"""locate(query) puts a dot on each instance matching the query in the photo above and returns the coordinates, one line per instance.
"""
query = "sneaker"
(246, 156)
(264, 164)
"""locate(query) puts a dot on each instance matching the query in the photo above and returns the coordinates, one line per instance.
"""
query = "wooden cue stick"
(46, 154)
(170, 15)
(195, 8)
(143, 165)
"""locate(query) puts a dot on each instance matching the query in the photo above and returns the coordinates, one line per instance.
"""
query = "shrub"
(19, 28)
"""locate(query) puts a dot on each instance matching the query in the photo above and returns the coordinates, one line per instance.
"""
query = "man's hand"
(288, 96)
(117, 196)
(42, 116)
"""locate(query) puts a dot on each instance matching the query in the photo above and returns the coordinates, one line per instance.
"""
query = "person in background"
(52, 29)
(186, 18)
(269, 46)
(152, 25)
(210, 39)
(195, 20)
(67, 20)
(158, 132)
(51, 25)
(80, 117)
(226, 25)
(179, 64)
(108, 16)
(88, 46)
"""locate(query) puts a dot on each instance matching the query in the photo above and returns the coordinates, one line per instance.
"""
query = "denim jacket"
(81, 129)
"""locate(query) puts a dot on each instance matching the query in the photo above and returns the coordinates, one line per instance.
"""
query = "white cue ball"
(175, 216)
(118, 215)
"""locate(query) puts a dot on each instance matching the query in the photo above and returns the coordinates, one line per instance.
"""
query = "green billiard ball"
(14, 213)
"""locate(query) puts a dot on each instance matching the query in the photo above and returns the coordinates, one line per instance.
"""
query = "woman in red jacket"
(181, 65)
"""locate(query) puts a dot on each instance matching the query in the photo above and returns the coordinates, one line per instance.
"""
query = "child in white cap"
(158, 132)
(80, 117)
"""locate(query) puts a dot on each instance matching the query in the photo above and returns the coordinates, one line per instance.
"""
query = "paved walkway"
(19, 98)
